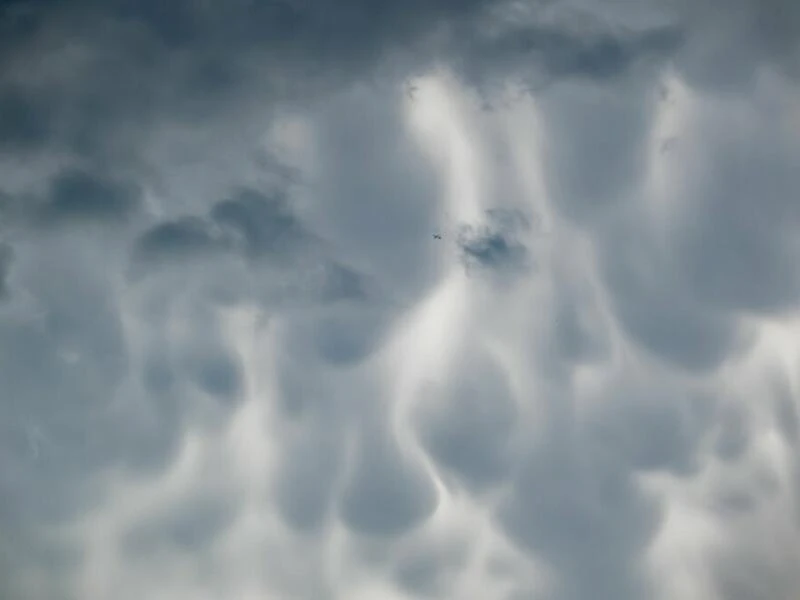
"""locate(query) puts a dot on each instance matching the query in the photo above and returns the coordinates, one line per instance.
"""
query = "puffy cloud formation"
(444, 299)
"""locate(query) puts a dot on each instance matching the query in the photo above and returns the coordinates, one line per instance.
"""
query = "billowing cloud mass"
(447, 299)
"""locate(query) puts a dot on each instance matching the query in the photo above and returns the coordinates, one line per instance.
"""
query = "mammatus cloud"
(361, 300)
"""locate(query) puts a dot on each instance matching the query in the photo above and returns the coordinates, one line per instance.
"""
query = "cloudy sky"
(372, 300)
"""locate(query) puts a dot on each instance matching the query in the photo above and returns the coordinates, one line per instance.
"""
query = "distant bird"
(437, 236)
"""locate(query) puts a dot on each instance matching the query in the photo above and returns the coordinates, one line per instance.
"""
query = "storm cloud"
(446, 299)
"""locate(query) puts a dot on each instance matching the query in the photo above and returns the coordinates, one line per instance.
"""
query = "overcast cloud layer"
(453, 299)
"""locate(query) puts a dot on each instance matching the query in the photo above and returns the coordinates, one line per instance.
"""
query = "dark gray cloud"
(72, 197)
(24, 125)
(306, 482)
(189, 60)
(6, 261)
(342, 283)
(59, 370)
(470, 431)
(189, 527)
(652, 306)
(728, 44)
(496, 245)
(594, 163)
(76, 194)
(261, 252)
(584, 518)
(736, 247)
(217, 373)
(577, 335)
(348, 334)
(541, 51)
(734, 503)
(651, 429)
(596, 144)
(575, 502)
(733, 437)
(421, 576)
(323, 412)
(193, 61)
(383, 217)
(426, 571)
(747, 575)
(786, 411)
(184, 238)
(251, 224)
(264, 224)
(387, 493)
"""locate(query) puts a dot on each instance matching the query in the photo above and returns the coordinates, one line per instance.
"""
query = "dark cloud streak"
(77, 195)
(6, 261)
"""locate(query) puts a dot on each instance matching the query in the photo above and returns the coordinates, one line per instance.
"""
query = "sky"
(377, 300)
